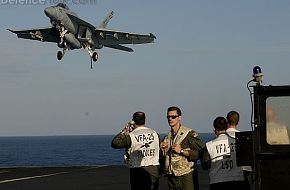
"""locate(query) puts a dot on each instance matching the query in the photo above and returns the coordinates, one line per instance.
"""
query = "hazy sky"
(201, 61)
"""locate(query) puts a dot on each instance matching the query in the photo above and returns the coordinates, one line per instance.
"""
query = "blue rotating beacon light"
(258, 75)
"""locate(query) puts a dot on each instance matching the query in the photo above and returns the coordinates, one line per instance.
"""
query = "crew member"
(180, 148)
(224, 173)
(142, 153)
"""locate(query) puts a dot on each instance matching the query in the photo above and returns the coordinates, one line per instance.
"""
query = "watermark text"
(47, 2)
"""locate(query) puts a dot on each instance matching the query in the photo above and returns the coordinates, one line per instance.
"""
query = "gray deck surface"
(75, 178)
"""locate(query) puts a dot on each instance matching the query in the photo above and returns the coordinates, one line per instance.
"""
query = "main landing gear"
(93, 55)
(59, 55)
(71, 43)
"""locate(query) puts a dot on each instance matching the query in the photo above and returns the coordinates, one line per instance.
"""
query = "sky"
(201, 61)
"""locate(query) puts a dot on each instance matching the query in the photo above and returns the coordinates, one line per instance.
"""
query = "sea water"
(84, 150)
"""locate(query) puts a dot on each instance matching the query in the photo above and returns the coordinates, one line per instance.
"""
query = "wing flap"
(112, 37)
(120, 47)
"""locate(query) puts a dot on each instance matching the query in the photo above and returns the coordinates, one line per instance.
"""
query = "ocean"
(61, 151)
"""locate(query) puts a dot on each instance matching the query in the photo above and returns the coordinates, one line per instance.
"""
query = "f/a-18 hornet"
(70, 32)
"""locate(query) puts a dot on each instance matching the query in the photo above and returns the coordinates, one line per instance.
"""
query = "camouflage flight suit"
(178, 168)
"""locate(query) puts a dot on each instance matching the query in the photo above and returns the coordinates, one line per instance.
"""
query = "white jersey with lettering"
(144, 149)
(223, 160)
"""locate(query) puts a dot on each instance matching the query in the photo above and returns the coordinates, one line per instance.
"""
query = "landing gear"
(59, 55)
(70, 42)
(95, 56)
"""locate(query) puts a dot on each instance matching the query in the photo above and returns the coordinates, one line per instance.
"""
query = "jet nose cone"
(49, 11)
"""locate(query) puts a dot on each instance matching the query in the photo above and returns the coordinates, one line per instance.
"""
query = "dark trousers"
(184, 182)
(230, 185)
(195, 179)
(144, 178)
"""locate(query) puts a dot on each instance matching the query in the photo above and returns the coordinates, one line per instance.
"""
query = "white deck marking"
(40, 176)
(32, 177)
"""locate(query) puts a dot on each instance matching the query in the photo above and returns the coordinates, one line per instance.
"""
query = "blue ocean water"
(62, 151)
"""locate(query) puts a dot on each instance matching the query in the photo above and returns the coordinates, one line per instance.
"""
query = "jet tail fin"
(106, 20)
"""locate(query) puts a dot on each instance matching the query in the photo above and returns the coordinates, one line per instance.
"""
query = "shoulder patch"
(194, 134)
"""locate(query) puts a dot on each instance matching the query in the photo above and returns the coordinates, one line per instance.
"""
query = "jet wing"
(112, 38)
(40, 34)
(109, 37)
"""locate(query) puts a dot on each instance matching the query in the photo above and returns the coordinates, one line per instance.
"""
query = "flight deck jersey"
(144, 150)
(223, 160)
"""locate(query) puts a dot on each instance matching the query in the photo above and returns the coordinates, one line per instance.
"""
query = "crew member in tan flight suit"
(180, 148)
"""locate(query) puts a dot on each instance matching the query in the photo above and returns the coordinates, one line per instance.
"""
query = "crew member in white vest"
(224, 173)
(180, 148)
(233, 119)
(142, 153)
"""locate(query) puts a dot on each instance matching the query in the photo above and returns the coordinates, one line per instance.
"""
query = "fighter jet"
(70, 32)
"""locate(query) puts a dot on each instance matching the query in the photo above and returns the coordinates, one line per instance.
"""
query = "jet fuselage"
(59, 15)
